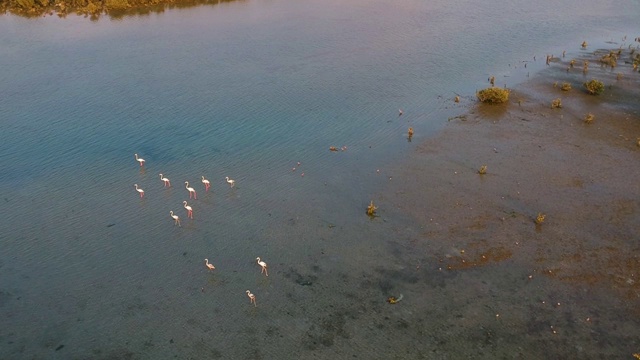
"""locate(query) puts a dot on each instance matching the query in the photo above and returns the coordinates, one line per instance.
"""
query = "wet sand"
(566, 288)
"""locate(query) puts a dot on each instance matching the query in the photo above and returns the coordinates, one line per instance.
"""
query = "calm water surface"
(247, 89)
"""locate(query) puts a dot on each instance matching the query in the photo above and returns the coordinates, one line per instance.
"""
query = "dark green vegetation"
(95, 8)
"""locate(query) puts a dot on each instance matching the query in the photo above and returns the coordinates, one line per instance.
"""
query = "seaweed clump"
(594, 87)
(493, 95)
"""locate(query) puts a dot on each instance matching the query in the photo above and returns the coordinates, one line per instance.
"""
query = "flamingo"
(189, 210)
(139, 159)
(206, 183)
(140, 191)
(230, 181)
(191, 191)
(252, 297)
(264, 266)
(167, 182)
(210, 266)
(176, 219)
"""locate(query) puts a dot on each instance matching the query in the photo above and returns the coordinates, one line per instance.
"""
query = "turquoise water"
(245, 90)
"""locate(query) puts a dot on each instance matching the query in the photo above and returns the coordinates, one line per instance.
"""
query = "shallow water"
(245, 90)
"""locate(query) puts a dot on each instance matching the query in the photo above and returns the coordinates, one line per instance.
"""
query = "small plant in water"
(540, 218)
(566, 86)
(594, 87)
(556, 103)
(482, 170)
(493, 95)
(610, 59)
(371, 209)
(589, 118)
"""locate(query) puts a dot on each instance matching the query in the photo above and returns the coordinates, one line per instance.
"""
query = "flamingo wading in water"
(231, 182)
(189, 210)
(191, 190)
(140, 191)
(176, 219)
(139, 159)
(166, 181)
(206, 183)
(263, 265)
(210, 266)
(252, 298)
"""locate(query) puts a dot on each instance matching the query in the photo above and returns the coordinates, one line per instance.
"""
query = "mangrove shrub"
(493, 95)
(594, 87)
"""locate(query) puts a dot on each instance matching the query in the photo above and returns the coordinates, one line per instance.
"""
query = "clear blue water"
(246, 90)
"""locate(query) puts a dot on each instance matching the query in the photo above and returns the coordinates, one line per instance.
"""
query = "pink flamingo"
(140, 160)
(176, 219)
(166, 181)
(231, 182)
(189, 210)
(206, 183)
(140, 191)
(263, 265)
(191, 191)
(252, 298)
(210, 266)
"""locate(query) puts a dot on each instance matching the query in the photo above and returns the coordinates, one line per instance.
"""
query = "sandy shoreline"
(569, 287)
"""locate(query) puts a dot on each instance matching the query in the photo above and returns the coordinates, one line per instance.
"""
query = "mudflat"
(565, 287)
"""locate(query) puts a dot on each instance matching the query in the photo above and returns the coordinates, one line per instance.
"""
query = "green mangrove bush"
(594, 87)
(493, 95)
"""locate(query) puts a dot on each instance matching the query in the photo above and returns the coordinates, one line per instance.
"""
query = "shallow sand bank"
(566, 288)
